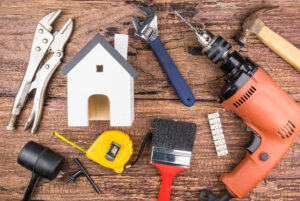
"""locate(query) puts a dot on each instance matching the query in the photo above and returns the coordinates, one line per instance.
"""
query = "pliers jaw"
(61, 37)
(48, 20)
(147, 29)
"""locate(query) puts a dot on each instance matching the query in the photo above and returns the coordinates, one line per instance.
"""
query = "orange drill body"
(272, 114)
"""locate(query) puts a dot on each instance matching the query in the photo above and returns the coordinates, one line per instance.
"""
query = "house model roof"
(98, 39)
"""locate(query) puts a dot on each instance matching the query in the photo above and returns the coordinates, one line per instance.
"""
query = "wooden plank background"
(154, 96)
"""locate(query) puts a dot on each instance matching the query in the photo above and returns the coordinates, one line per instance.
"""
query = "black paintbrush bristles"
(173, 134)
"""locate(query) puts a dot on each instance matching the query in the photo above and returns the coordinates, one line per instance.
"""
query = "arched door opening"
(99, 107)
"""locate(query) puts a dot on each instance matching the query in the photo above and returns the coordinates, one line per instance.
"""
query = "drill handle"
(257, 164)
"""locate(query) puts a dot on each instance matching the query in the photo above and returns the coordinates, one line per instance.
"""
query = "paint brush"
(172, 150)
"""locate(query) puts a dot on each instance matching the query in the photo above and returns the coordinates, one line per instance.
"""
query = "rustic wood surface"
(154, 96)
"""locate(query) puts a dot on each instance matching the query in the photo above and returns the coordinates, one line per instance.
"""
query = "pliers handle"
(40, 83)
(37, 54)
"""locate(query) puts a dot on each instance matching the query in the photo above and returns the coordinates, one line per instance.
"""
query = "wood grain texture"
(153, 93)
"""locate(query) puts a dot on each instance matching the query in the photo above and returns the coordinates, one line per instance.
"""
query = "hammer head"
(253, 24)
(41, 160)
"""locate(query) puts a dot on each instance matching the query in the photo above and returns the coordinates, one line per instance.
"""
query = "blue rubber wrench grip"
(177, 81)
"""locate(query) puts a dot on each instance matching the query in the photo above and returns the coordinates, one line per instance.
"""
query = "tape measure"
(112, 149)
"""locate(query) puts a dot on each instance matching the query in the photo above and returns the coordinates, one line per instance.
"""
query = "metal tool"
(38, 73)
(83, 171)
(206, 39)
(271, 116)
(204, 36)
(278, 44)
(148, 31)
(42, 161)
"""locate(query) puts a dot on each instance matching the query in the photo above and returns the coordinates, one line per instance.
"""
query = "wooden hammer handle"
(281, 46)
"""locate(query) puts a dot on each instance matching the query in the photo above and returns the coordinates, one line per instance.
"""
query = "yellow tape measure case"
(112, 149)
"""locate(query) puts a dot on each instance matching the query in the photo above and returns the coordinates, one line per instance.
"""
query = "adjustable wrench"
(148, 31)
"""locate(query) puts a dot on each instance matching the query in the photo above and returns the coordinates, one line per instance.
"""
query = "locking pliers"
(38, 73)
(148, 31)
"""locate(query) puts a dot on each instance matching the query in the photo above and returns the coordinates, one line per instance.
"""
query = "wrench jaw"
(61, 37)
(147, 29)
(48, 20)
(67, 29)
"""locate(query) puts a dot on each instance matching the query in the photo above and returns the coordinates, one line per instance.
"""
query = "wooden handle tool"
(281, 46)
(278, 44)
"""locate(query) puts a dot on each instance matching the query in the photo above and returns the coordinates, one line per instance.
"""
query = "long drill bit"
(189, 24)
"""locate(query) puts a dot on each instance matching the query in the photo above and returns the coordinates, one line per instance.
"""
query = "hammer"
(41, 161)
(271, 39)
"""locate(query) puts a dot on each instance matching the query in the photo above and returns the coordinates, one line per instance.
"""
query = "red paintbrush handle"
(168, 172)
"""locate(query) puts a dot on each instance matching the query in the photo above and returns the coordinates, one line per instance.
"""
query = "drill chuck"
(217, 50)
(214, 47)
(237, 69)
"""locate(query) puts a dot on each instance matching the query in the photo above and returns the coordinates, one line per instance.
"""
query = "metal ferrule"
(171, 157)
(206, 38)
(225, 56)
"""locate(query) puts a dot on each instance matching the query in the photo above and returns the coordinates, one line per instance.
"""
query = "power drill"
(270, 114)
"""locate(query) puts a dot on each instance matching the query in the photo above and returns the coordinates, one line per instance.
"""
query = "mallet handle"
(30, 187)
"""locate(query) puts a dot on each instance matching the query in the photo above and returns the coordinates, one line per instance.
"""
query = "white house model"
(101, 83)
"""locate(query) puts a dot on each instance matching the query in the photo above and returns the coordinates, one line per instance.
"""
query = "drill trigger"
(255, 141)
